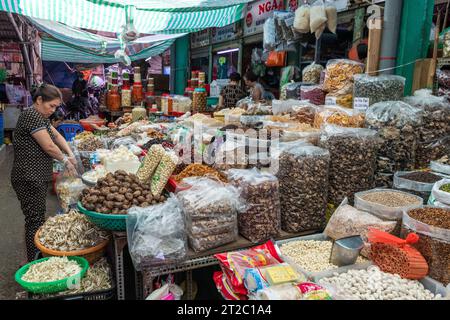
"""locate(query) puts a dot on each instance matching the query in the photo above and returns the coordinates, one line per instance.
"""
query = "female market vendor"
(231, 93)
(36, 144)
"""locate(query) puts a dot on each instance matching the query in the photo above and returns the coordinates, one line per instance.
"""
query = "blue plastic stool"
(69, 130)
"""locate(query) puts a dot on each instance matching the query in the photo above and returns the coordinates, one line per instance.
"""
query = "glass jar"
(114, 99)
(126, 91)
(137, 92)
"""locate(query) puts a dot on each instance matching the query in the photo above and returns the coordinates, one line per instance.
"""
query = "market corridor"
(12, 251)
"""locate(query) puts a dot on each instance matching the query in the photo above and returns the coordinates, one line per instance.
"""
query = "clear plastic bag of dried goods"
(293, 90)
(446, 53)
(431, 150)
(163, 172)
(339, 75)
(441, 166)
(210, 208)
(301, 20)
(403, 183)
(125, 141)
(311, 73)
(343, 100)
(380, 88)
(429, 223)
(261, 219)
(285, 22)
(303, 178)
(439, 194)
(270, 34)
(331, 11)
(382, 211)
(443, 78)
(68, 190)
(313, 93)
(347, 221)
(318, 16)
(353, 160)
(156, 234)
(283, 106)
(339, 116)
(393, 113)
(150, 162)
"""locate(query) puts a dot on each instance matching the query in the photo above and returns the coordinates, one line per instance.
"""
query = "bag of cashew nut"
(261, 218)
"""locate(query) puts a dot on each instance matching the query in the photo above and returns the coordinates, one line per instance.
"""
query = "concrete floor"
(12, 246)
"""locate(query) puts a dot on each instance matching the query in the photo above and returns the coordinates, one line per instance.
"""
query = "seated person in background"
(256, 89)
(56, 118)
(231, 93)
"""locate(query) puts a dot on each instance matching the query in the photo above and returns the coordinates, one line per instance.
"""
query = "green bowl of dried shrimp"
(68, 282)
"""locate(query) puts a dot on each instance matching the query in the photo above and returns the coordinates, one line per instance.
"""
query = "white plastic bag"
(169, 291)
(318, 16)
(301, 20)
(441, 196)
(331, 11)
(270, 34)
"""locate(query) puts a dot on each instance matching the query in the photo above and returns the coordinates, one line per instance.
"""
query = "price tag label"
(361, 104)
(330, 101)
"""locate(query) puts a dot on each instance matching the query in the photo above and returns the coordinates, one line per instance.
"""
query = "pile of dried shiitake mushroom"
(116, 193)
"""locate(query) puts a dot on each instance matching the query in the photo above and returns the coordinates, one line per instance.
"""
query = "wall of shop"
(220, 51)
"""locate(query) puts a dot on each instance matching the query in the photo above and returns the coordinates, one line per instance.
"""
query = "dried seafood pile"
(97, 278)
(70, 232)
(53, 269)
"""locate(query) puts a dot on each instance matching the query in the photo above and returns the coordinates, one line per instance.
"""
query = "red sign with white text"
(257, 14)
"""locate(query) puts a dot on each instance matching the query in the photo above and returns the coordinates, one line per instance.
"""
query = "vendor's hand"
(71, 169)
(73, 160)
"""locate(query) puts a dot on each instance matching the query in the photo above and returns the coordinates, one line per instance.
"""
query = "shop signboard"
(200, 39)
(258, 12)
(226, 33)
(341, 5)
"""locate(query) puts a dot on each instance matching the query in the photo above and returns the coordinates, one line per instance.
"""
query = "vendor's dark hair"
(47, 92)
(57, 116)
(235, 76)
(250, 76)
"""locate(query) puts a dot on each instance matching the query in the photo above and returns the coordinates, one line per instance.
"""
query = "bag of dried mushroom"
(303, 178)
(156, 235)
(433, 134)
(210, 208)
(397, 123)
(353, 154)
(347, 221)
(260, 220)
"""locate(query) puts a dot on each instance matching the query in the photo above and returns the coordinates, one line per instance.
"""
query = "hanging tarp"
(83, 38)
(54, 50)
(152, 16)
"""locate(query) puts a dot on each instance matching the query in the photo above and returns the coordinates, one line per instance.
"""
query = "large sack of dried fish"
(70, 232)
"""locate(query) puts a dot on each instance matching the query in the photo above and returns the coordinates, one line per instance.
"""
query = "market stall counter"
(197, 261)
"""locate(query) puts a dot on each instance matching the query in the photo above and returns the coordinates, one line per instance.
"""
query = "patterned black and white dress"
(31, 173)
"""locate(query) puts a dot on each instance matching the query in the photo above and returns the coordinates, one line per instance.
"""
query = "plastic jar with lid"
(137, 92)
(126, 91)
(114, 99)
(199, 100)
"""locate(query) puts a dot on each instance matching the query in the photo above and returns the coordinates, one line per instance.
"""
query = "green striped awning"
(54, 50)
(151, 16)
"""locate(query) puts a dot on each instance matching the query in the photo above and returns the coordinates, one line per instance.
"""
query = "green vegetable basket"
(51, 286)
(113, 222)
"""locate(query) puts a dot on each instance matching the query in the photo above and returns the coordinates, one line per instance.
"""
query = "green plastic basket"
(52, 286)
(113, 222)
